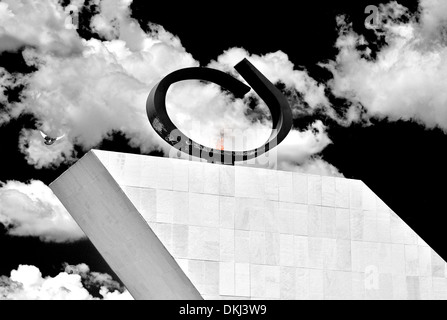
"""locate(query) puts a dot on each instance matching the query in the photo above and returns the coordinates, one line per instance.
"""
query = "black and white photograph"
(157, 150)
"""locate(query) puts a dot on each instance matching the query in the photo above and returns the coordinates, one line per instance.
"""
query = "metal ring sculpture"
(274, 99)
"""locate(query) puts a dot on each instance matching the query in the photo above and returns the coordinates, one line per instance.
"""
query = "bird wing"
(57, 139)
(43, 134)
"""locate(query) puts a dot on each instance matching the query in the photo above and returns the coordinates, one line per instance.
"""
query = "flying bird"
(50, 140)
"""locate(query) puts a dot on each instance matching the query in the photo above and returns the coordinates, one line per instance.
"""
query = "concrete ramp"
(120, 233)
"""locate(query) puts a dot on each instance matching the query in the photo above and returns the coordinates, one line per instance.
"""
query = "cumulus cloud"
(27, 283)
(406, 78)
(433, 18)
(315, 165)
(41, 24)
(8, 82)
(276, 66)
(299, 146)
(299, 151)
(33, 210)
(113, 22)
(88, 97)
(40, 155)
(89, 89)
(5, 82)
(102, 89)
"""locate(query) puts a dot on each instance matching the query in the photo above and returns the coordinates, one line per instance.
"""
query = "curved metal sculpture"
(275, 100)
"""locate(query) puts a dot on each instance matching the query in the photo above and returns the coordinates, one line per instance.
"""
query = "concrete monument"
(177, 229)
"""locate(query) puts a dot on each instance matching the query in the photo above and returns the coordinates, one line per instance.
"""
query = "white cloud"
(296, 150)
(40, 155)
(8, 82)
(276, 66)
(299, 146)
(27, 283)
(89, 95)
(37, 23)
(299, 151)
(407, 79)
(114, 22)
(102, 88)
(315, 165)
(433, 18)
(33, 210)
(5, 82)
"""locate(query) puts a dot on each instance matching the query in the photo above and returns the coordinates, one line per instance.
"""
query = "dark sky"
(402, 162)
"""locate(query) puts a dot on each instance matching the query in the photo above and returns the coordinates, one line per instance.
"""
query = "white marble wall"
(248, 233)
